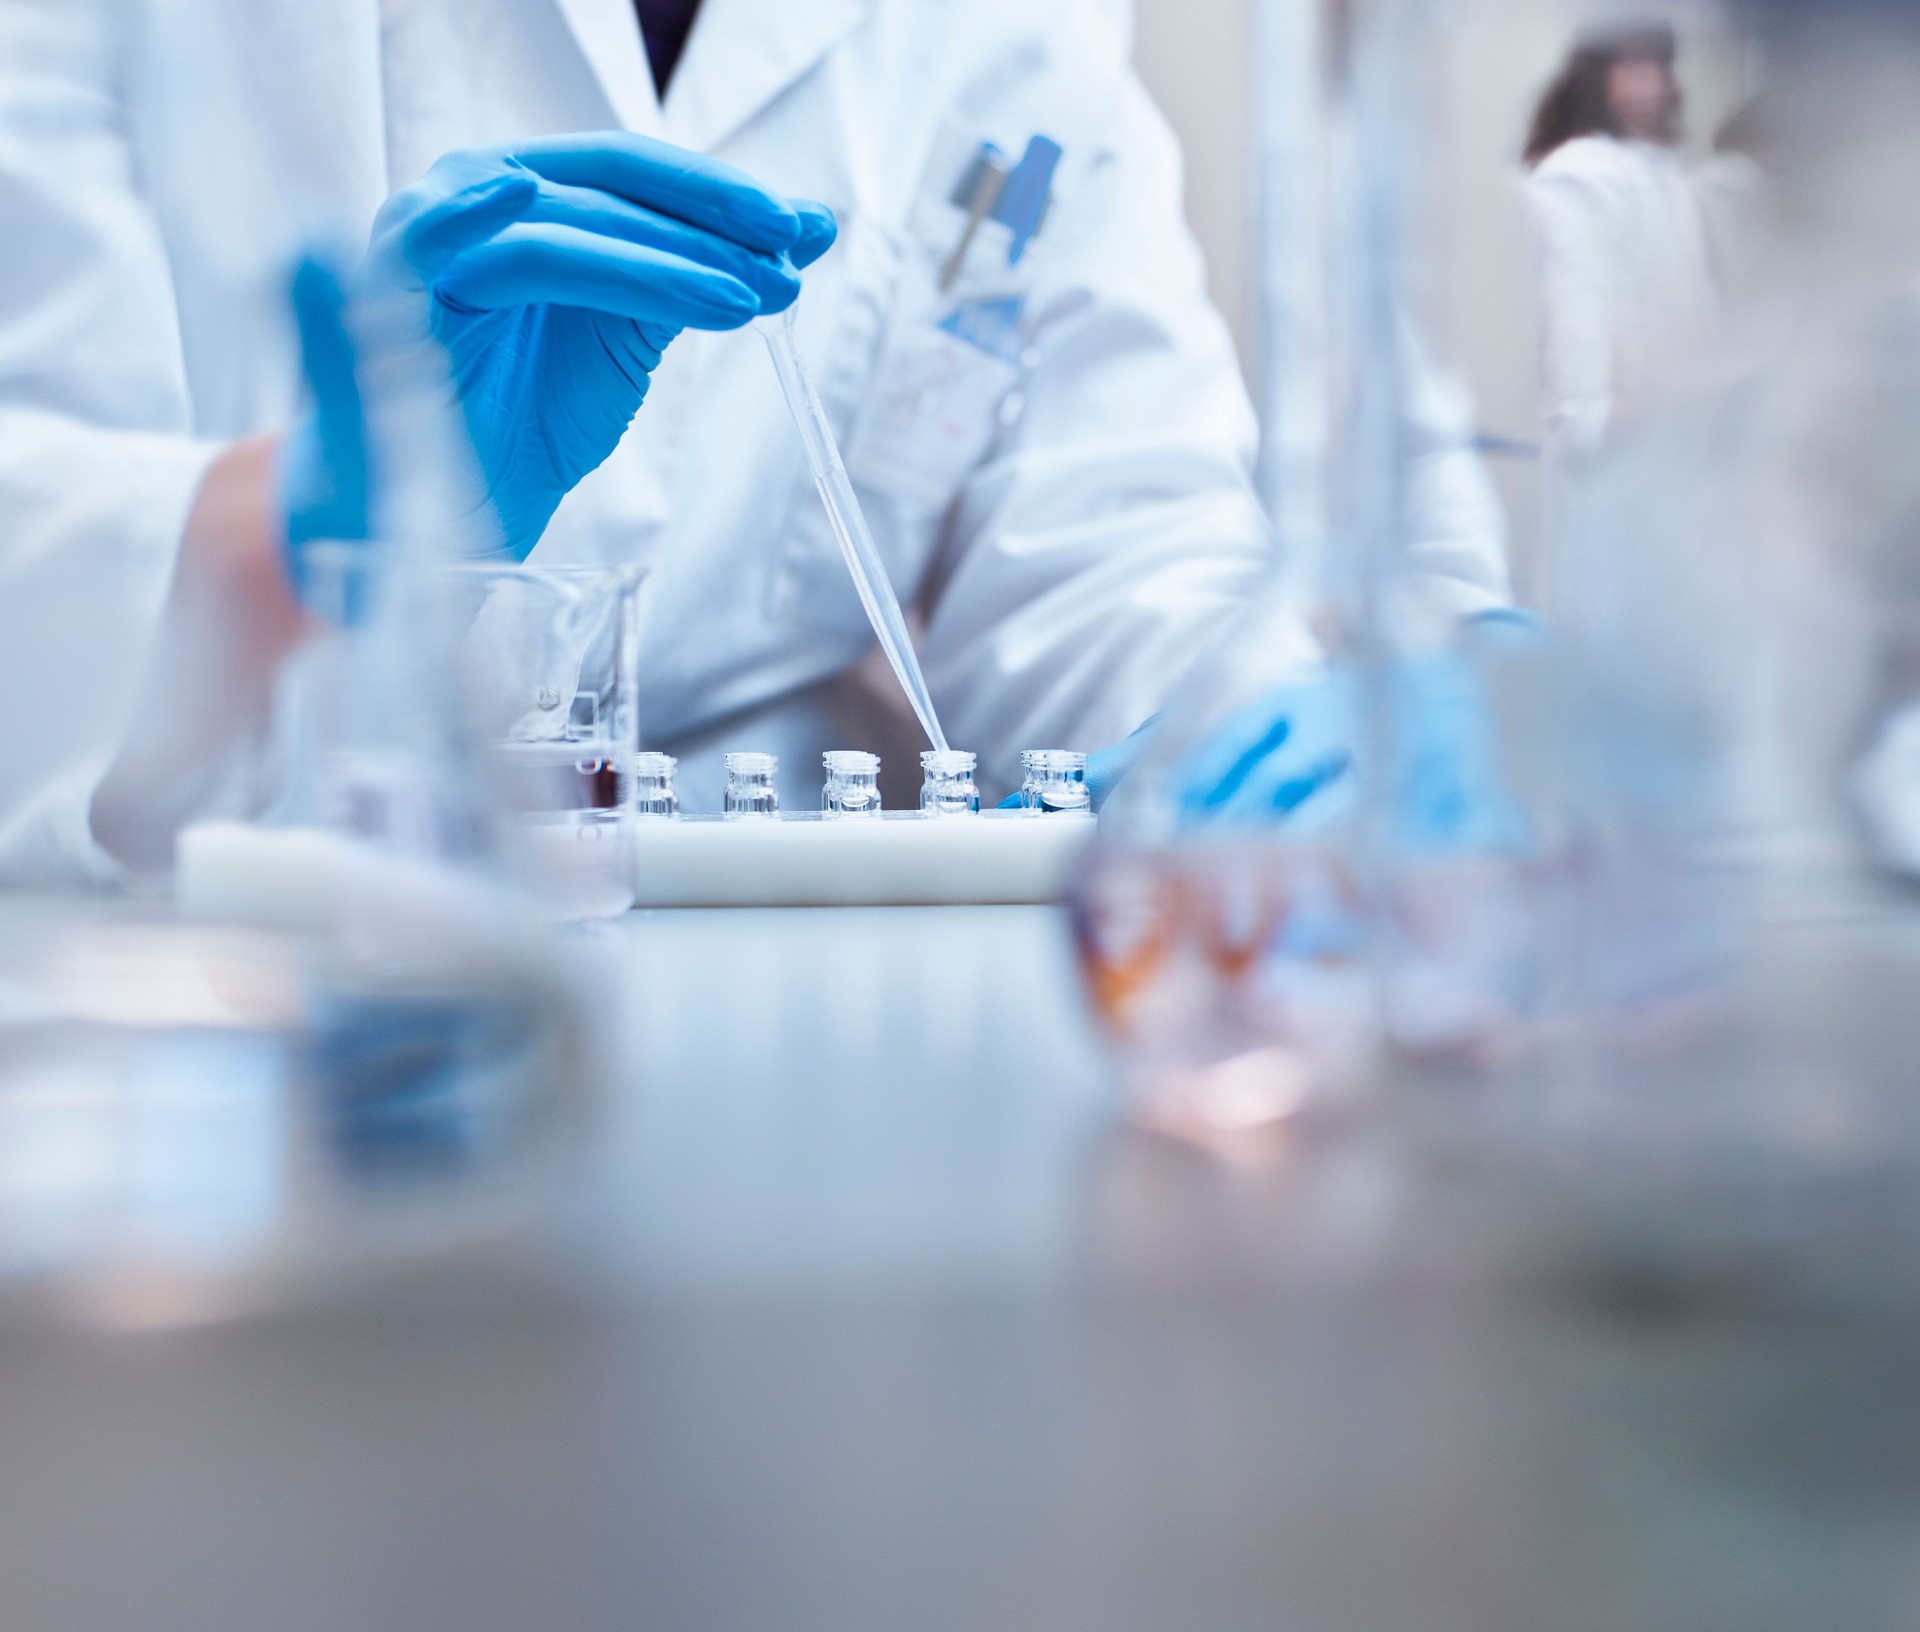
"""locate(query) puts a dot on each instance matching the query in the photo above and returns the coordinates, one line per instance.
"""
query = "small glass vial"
(853, 785)
(653, 792)
(750, 789)
(1056, 782)
(949, 788)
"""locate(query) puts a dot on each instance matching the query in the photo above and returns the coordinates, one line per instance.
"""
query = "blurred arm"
(207, 688)
(1457, 531)
(99, 467)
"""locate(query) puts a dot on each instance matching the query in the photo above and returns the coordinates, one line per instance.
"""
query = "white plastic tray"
(898, 859)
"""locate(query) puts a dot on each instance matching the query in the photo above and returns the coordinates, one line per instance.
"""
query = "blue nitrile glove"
(1241, 771)
(1286, 759)
(558, 270)
(1265, 761)
(1449, 787)
(554, 272)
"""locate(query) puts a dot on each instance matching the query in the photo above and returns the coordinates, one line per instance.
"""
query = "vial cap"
(655, 764)
(848, 762)
(753, 764)
(951, 762)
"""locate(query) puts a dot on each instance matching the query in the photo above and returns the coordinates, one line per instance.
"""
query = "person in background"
(1628, 296)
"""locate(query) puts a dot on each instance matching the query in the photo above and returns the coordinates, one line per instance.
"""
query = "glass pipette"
(849, 525)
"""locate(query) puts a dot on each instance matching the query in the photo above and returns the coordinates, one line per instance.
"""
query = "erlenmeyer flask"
(1305, 863)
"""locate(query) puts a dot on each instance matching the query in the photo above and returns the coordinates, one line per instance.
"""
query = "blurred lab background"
(1481, 296)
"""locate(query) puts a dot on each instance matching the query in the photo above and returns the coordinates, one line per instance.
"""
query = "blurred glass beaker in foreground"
(477, 713)
(199, 1121)
(548, 673)
(1617, 802)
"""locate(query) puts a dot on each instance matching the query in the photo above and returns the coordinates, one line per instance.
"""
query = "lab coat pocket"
(939, 397)
(945, 380)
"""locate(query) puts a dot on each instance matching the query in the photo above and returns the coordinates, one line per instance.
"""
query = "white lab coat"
(1628, 300)
(1072, 540)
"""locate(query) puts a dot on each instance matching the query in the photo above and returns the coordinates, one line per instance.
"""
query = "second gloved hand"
(555, 272)
(1286, 758)
(1259, 765)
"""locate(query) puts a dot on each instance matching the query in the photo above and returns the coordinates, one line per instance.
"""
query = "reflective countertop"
(857, 1303)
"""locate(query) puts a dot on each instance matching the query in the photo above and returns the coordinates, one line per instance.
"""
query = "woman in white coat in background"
(1628, 299)
(1054, 447)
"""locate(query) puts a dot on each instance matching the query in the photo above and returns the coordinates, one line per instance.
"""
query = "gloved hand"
(1266, 760)
(1287, 758)
(554, 272)
(1261, 764)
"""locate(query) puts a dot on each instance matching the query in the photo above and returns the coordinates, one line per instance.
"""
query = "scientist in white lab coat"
(1629, 302)
(1054, 448)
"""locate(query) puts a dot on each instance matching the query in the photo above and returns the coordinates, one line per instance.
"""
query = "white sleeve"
(1114, 531)
(98, 467)
(1457, 531)
(1569, 211)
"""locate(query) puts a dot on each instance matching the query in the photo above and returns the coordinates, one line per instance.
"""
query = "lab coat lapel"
(742, 55)
(608, 34)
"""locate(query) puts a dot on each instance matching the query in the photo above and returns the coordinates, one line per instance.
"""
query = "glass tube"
(863, 556)
(949, 788)
(653, 792)
(750, 789)
(1056, 782)
(853, 784)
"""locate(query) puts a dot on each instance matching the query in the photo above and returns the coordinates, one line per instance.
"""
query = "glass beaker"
(547, 665)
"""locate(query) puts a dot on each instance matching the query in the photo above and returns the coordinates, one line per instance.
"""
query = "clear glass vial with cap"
(949, 788)
(653, 792)
(750, 789)
(853, 784)
(1056, 781)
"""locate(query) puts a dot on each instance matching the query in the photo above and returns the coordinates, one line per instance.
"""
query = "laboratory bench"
(855, 1301)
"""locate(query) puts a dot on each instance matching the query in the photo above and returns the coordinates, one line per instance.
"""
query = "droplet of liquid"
(547, 698)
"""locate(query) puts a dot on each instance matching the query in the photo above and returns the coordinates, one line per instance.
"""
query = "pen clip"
(1022, 203)
(978, 192)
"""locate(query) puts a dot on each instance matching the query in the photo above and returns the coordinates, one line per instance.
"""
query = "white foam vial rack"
(905, 858)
